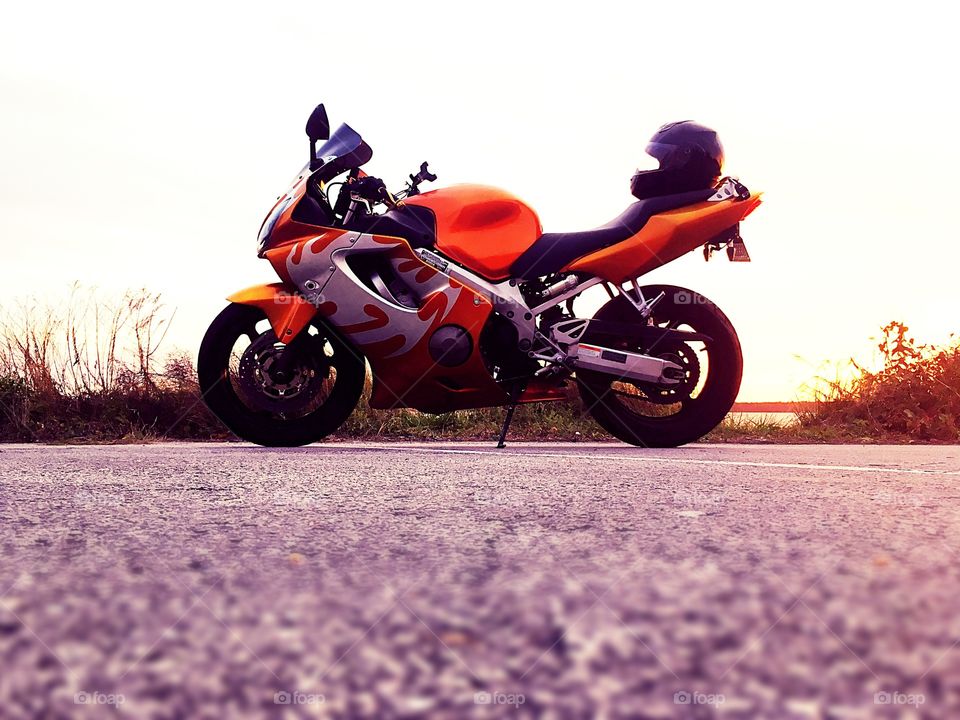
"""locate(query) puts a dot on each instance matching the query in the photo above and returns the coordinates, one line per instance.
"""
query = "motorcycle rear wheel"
(274, 394)
(655, 416)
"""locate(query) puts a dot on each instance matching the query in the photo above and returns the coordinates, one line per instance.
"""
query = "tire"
(650, 416)
(237, 386)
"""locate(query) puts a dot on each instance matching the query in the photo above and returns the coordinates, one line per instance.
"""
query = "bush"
(914, 396)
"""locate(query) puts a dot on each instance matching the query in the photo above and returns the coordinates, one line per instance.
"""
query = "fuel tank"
(481, 227)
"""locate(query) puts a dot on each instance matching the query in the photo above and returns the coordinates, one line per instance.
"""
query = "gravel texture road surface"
(455, 580)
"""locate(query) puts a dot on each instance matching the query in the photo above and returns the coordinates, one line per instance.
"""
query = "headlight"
(263, 239)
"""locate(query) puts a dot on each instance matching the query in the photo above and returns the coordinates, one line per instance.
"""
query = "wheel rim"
(282, 381)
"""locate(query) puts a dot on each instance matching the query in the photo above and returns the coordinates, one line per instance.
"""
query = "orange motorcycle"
(457, 299)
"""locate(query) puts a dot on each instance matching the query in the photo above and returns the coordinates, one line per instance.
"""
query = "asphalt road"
(217, 581)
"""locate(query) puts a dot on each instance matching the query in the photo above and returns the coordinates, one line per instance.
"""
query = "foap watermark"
(686, 697)
(898, 698)
(295, 697)
(499, 698)
(295, 498)
(899, 499)
(284, 298)
(685, 297)
(697, 498)
(95, 697)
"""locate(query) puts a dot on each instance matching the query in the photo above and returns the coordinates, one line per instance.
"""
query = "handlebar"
(367, 190)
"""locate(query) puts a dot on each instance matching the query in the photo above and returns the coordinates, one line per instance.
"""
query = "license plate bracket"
(731, 240)
(737, 250)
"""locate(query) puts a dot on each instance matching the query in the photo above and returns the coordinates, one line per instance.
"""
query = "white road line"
(662, 460)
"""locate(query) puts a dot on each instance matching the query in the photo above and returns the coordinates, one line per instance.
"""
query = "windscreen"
(345, 150)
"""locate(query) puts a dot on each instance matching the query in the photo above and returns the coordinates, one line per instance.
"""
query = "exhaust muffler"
(625, 365)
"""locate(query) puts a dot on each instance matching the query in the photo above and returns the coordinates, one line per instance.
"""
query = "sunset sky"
(143, 147)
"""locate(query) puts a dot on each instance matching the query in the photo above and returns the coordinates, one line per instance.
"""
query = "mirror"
(318, 127)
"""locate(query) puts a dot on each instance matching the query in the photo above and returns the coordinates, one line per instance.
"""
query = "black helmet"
(691, 158)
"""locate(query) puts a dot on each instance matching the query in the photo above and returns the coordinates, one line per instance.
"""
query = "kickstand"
(506, 425)
(515, 394)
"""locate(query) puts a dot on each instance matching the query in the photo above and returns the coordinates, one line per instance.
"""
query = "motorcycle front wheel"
(667, 416)
(276, 394)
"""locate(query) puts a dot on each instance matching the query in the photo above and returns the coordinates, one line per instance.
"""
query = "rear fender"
(287, 312)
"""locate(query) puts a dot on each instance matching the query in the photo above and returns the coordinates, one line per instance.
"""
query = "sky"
(141, 145)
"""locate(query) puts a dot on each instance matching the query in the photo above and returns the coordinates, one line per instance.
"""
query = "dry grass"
(90, 370)
(563, 420)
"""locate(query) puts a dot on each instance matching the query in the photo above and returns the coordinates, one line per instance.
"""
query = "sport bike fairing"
(341, 273)
(345, 150)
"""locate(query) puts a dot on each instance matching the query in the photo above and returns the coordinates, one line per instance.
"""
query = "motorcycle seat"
(552, 251)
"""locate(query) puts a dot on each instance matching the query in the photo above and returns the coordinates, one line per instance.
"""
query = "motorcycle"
(457, 299)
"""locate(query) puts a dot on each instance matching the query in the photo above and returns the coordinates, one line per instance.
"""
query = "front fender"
(287, 312)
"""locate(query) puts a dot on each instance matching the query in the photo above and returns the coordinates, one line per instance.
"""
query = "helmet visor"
(668, 154)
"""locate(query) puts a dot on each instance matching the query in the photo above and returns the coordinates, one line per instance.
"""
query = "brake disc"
(280, 384)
